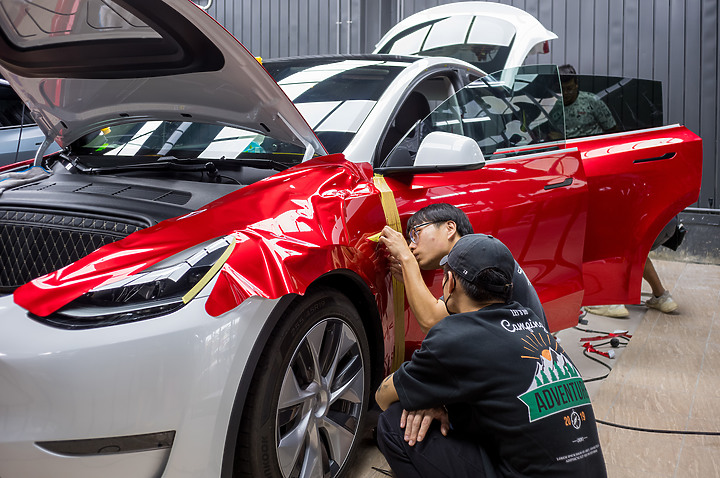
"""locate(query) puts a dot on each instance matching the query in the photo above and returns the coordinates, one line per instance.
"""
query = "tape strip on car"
(392, 217)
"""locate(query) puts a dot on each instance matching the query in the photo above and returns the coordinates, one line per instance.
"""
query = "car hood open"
(87, 64)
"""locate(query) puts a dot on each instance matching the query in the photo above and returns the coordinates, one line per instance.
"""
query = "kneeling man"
(490, 392)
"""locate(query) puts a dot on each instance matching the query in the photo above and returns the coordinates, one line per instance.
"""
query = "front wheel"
(309, 394)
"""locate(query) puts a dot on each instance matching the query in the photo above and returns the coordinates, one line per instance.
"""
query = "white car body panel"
(498, 22)
(188, 361)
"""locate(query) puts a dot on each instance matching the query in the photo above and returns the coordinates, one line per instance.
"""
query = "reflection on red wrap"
(290, 228)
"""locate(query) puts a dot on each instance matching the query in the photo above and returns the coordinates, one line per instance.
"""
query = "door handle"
(567, 182)
(658, 158)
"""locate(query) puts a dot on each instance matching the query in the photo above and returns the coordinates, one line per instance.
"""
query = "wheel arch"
(345, 282)
(354, 288)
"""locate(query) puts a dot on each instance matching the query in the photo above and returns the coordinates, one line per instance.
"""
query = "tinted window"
(501, 112)
(633, 103)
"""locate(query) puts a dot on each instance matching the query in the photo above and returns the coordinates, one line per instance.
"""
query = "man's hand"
(395, 268)
(397, 249)
(396, 244)
(426, 308)
(417, 422)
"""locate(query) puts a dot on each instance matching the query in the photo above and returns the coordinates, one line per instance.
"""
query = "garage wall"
(278, 28)
(675, 41)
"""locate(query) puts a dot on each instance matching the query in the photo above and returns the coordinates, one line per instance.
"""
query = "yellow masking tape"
(375, 237)
(209, 274)
(392, 216)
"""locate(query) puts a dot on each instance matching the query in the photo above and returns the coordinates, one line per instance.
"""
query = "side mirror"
(440, 149)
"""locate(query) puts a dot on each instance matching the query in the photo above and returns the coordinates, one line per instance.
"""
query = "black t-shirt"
(508, 385)
(525, 294)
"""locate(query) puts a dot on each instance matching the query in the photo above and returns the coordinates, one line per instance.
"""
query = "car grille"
(34, 243)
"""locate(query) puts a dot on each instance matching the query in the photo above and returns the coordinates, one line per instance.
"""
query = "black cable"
(594, 379)
(380, 470)
(653, 430)
(591, 331)
(609, 342)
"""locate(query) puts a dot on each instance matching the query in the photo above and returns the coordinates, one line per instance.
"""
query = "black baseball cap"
(474, 253)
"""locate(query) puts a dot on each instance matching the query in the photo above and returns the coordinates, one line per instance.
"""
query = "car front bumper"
(177, 373)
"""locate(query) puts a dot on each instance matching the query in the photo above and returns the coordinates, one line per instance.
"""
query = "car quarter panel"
(638, 181)
(536, 204)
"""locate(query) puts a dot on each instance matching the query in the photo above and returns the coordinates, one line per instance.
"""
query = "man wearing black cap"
(508, 400)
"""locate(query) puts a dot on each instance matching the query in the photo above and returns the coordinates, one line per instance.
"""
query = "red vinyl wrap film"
(290, 229)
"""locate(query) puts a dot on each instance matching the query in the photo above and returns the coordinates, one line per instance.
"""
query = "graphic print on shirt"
(556, 385)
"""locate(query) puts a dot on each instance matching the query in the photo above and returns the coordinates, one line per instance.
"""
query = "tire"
(309, 395)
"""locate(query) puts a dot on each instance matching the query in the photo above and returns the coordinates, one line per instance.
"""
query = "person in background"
(585, 113)
(661, 298)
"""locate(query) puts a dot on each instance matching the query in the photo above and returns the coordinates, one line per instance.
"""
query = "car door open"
(522, 186)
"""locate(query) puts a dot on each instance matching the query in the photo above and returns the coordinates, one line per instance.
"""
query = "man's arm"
(428, 310)
(386, 394)
(416, 423)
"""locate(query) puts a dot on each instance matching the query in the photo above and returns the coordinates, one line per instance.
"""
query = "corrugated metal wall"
(675, 41)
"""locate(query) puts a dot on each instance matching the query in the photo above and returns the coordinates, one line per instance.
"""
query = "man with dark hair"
(585, 113)
(432, 232)
(508, 400)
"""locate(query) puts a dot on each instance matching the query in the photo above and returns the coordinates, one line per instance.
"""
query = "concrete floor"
(665, 379)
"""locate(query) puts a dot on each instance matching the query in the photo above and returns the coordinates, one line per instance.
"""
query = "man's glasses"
(415, 230)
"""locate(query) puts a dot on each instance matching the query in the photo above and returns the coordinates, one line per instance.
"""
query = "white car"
(170, 396)
(192, 289)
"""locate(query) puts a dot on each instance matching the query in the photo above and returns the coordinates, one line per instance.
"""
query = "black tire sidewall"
(261, 407)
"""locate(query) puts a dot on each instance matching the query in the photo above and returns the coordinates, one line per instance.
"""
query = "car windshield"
(335, 96)
(145, 140)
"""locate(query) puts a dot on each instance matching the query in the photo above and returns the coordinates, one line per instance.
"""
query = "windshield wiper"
(175, 164)
(167, 162)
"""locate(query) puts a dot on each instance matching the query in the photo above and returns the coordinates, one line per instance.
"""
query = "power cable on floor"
(602, 377)
(627, 427)
(653, 430)
(380, 470)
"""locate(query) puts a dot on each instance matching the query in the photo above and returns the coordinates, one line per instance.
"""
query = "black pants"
(436, 456)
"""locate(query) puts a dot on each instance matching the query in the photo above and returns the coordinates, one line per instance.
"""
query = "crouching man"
(490, 393)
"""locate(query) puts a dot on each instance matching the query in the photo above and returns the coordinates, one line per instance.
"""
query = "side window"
(404, 131)
(508, 109)
(12, 110)
(624, 104)
(502, 112)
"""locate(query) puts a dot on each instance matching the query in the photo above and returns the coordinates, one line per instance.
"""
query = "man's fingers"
(444, 423)
(415, 428)
(424, 425)
(403, 418)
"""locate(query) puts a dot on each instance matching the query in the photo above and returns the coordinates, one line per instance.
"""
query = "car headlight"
(157, 290)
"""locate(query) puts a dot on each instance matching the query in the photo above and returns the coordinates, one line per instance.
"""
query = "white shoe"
(618, 310)
(664, 303)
